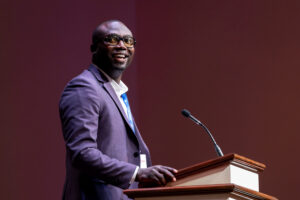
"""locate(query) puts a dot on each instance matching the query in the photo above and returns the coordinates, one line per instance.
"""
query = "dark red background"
(234, 64)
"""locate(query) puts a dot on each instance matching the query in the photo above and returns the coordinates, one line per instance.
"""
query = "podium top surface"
(224, 160)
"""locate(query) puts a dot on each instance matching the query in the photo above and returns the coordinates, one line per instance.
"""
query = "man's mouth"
(119, 57)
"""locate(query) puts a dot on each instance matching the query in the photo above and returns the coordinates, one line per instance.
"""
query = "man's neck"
(116, 75)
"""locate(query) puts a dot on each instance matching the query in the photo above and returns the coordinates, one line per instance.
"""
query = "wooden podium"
(230, 177)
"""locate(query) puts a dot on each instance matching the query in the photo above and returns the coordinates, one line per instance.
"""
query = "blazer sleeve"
(79, 111)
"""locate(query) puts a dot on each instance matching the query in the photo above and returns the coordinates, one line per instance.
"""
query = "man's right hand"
(155, 176)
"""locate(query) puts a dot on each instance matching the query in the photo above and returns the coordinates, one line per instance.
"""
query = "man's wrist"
(134, 175)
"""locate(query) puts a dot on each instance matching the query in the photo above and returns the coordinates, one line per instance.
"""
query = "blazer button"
(136, 154)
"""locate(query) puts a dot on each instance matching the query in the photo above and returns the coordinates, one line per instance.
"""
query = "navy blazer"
(102, 151)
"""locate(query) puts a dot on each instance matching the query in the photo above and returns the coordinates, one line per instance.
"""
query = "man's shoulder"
(85, 82)
(85, 78)
(85, 75)
(83, 86)
(90, 75)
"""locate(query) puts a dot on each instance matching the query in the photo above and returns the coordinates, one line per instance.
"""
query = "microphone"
(187, 114)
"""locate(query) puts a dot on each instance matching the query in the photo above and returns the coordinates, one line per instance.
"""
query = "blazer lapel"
(110, 90)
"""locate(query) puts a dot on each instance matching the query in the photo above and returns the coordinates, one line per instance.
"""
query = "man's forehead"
(114, 27)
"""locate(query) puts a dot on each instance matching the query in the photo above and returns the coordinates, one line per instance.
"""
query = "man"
(105, 152)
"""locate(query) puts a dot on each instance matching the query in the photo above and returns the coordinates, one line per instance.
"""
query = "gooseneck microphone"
(187, 114)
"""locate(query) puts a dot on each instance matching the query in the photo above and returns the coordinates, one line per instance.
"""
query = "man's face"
(116, 56)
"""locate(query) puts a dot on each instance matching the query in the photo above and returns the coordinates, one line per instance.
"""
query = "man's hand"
(155, 176)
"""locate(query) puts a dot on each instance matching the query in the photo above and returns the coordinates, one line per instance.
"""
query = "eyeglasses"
(114, 39)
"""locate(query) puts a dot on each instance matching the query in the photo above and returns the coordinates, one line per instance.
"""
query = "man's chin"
(120, 66)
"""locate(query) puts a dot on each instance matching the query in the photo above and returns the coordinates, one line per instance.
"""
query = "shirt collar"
(118, 88)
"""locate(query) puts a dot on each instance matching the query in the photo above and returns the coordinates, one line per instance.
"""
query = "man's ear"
(93, 47)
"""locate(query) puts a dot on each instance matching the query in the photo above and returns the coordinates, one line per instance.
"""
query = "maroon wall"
(234, 64)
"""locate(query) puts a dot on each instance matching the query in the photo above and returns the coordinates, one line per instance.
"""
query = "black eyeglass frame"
(119, 38)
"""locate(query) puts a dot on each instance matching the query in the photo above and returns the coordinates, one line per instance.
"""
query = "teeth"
(120, 56)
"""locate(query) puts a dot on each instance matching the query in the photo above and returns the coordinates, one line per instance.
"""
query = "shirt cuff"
(134, 175)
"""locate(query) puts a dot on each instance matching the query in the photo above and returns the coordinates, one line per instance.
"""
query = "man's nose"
(121, 44)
